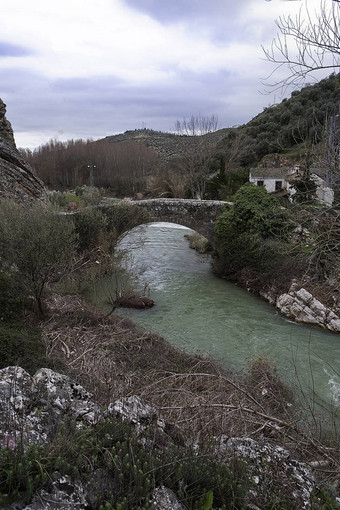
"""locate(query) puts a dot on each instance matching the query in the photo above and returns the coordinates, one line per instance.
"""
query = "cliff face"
(17, 178)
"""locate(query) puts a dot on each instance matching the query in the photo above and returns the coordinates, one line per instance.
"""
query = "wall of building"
(269, 184)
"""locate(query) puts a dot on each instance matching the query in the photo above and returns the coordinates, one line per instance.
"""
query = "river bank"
(193, 404)
(193, 397)
(302, 300)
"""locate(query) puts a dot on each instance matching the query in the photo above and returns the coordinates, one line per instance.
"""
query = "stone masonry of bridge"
(200, 215)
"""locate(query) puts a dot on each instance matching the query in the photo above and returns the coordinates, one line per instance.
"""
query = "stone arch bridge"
(199, 215)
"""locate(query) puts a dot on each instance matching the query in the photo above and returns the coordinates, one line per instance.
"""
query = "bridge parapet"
(199, 215)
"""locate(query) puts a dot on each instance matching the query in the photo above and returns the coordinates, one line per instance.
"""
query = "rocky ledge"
(31, 407)
(18, 180)
(301, 306)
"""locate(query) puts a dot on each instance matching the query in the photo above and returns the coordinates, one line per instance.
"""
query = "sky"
(94, 68)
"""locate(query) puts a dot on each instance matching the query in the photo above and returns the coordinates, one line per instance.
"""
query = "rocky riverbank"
(302, 300)
(123, 388)
(58, 400)
(318, 305)
(300, 305)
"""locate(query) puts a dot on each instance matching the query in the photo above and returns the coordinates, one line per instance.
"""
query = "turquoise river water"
(197, 311)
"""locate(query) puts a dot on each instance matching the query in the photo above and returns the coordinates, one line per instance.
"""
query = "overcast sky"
(92, 68)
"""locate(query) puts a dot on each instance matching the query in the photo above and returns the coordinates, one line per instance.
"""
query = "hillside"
(278, 128)
(303, 118)
(166, 145)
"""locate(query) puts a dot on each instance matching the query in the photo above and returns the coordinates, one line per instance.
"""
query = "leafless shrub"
(113, 358)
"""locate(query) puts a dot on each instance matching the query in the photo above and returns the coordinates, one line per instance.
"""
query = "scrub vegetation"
(265, 245)
(111, 357)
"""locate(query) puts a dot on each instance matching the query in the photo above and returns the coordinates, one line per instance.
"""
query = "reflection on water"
(197, 311)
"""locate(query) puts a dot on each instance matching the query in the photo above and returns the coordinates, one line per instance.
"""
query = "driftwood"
(136, 302)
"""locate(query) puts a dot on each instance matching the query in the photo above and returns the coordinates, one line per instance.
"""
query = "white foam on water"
(334, 385)
(165, 224)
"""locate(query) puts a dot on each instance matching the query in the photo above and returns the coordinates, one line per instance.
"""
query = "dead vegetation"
(113, 358)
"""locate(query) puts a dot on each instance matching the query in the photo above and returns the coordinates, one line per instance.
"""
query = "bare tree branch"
(305, 44)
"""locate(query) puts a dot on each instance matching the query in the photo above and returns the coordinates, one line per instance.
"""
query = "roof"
(272, 172)
(321, 172)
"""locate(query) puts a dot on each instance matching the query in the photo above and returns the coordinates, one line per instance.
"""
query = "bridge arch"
(199, 215)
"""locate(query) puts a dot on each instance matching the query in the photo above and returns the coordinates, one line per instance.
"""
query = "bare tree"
(196, 125)
(307, 43)
(196, 163)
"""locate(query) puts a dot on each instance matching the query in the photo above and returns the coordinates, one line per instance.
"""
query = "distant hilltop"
(167, 145)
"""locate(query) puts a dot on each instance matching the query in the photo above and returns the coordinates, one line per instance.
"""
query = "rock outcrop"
(17, 178)
(301, 306)
(264, 460)
(32, 407)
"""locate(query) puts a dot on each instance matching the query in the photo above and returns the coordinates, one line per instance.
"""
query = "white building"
(277, 179)
(273, 178)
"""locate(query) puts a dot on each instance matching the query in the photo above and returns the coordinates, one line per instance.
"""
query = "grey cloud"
(96, 107)
(13, 50)
(177, 10)
(220, 20)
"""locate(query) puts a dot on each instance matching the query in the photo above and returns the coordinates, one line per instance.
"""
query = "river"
(199, 312)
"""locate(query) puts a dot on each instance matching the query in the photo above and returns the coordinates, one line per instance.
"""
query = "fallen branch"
(80, 356)
(205, 375)
(321, 449)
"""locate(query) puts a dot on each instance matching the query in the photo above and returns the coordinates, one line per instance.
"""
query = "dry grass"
(112, 358)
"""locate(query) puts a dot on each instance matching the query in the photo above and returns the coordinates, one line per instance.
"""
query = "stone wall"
(199, 215)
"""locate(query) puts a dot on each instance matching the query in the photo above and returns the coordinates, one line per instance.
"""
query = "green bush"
(89, 195)
(13, 295)
(58, 199)
(89, 225)
(37, 244)
(20, 473)
(198, 480)
(23, 346)
(62, 199)
(124, 216)
(244, 230)
(305, 190)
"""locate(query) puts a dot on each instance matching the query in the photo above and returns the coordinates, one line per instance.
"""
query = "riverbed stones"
(301, 306)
